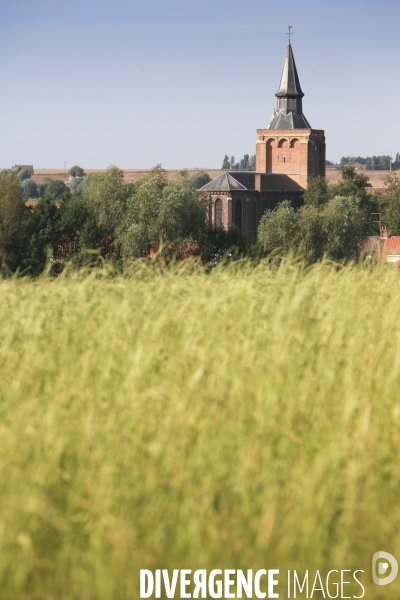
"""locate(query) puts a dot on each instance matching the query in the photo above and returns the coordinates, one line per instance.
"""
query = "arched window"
(218, 213)
(238, 214)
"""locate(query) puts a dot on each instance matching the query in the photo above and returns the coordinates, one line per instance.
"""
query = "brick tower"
(289, 146)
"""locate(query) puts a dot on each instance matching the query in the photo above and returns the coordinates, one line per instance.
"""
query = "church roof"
(224, 182)
(291, 120)
(289, 113)
(290, 83)
(245, 180)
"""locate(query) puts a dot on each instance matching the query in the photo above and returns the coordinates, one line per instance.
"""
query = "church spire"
(290, 83)
(289, 113)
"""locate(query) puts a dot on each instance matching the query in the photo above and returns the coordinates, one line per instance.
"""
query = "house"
(383, 247)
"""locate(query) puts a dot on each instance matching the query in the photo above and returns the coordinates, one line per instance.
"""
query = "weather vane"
(290, 33)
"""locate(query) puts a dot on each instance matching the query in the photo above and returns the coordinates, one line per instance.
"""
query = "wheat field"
(248, 418)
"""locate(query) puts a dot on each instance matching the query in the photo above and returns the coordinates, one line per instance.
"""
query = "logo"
(385, 559)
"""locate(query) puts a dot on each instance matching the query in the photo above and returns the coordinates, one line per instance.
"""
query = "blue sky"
(182, 82)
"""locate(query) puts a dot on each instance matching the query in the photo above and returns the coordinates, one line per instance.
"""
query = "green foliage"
(247, 163)
(221, 244)
(372, 163)
(41, 189)
(311, 237)
(162, 210)
(346, 160)
(199, 179)
(353, 185)
(246, 418)
(74, 219)
(76, 171)
(44, 232)
(29, 189)
(345, 227)
(226, 164)
(316, 193)
(278, 229)
(55, 189)
(74, 184)
(106, 198)
(390, 204)
(14, 219)
(336, 228)
(23, 174)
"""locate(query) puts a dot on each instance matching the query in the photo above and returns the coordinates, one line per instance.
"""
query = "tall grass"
(249, 418)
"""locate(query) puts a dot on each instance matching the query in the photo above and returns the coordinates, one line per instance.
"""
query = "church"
(288, 152)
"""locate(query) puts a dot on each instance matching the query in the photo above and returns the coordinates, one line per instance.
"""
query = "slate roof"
(290, 83)
(225, 181)
(288, 116)
(245, 180)
(274, 182)
(284, 120)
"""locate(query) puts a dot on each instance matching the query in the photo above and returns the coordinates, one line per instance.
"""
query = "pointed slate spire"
(290, 83)
(289, 112)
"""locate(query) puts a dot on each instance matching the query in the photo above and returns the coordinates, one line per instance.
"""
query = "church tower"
(289, 145)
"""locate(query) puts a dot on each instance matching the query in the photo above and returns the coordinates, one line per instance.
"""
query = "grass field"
(245, 419)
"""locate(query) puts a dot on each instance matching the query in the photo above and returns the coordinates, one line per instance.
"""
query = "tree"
(76, 171)
(199, 179)
(29, 189)
(278, 229)
(226, 165)
(244, 163)
(74, 184)
(105, 196)
(345, 227)
(316, 193)
(44, 233)
(311, 237)
(162, 210)
(219, 241)
(353, 185)
(390, 204)
(41, 189)
(336, 229)
(14, 221)
(22, 174)
(55, 189)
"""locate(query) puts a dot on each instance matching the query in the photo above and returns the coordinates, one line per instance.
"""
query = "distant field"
(131, 175)
(376, 178)
(246, 419)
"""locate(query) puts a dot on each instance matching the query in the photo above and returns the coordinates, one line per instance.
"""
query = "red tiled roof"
(391, 245)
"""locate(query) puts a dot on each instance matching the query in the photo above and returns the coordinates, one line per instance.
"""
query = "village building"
(288, 152)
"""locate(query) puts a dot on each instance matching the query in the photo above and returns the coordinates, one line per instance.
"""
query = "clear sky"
(182, 82)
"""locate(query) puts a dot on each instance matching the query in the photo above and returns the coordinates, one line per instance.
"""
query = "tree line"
(103, 214)
(247, 163)
(373, 163)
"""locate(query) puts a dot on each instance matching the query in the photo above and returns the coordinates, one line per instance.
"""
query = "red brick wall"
(296, 153)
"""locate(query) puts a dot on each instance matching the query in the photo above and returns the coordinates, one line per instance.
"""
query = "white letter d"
(143, 574)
